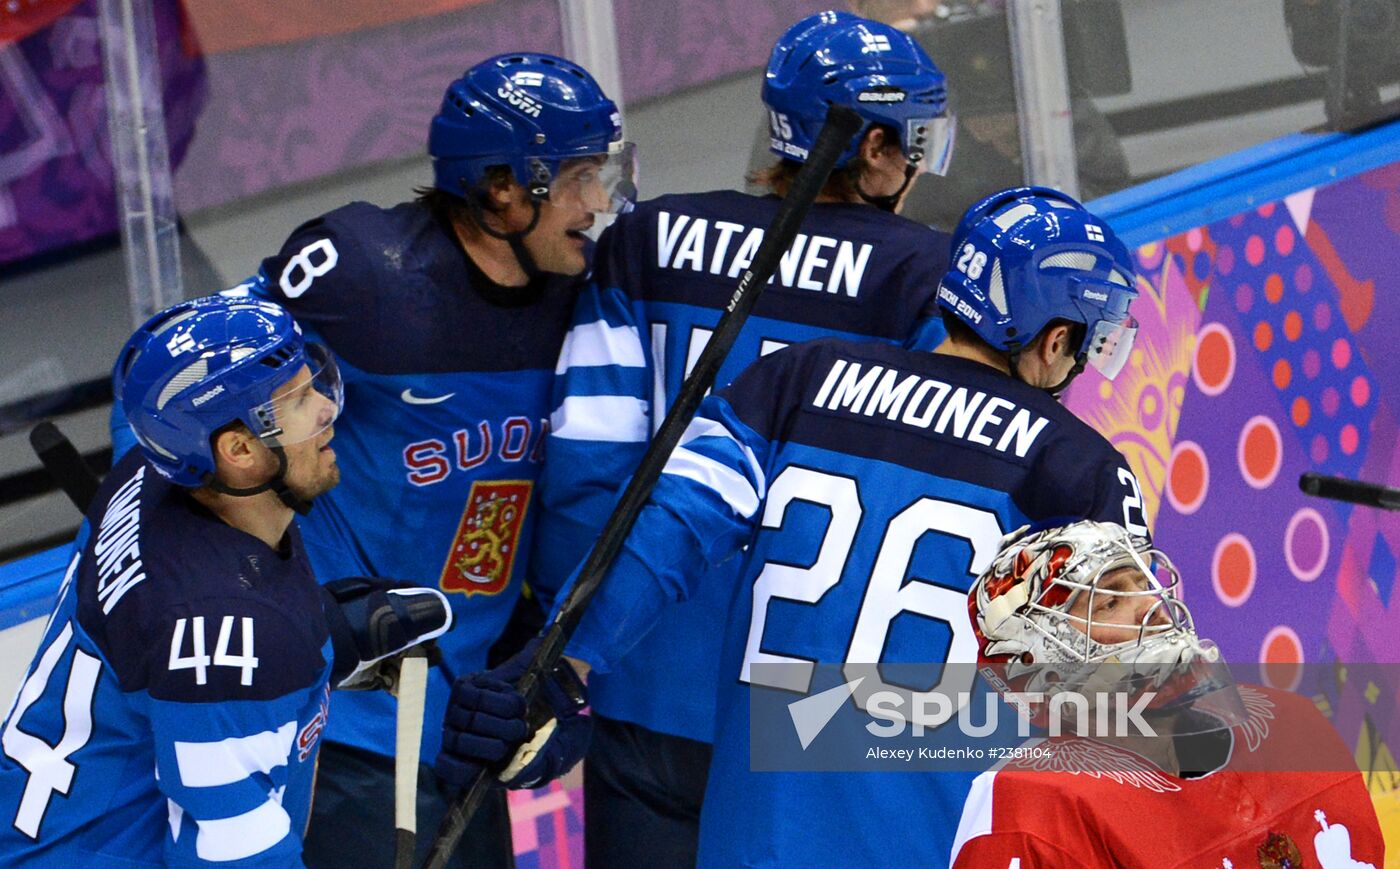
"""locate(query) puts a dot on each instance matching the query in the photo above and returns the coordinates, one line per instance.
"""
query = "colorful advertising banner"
(1266, 351)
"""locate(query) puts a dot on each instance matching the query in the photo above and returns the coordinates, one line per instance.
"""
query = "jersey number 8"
(305, 269)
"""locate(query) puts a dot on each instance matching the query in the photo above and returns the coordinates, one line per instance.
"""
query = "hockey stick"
(412, 690)
(840, 126)
(65, 464)
(1351, 491)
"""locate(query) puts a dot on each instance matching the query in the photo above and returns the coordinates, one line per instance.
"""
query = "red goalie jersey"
(1288, 796)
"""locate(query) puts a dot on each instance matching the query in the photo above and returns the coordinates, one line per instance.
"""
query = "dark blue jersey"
(172, 714)
(447, 400)
(663, 275)
(862, 482)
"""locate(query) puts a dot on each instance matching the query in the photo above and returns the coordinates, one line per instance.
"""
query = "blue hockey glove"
(488, 727)
(372, 621)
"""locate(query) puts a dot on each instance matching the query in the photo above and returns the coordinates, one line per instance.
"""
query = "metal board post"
(1042, 93)
(590, 39)
(140, 156)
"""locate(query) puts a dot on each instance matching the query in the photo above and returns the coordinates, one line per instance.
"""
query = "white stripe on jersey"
(700, 427)
(612, 418)
(597, 343)
(977, 813)
(977, 808)
(175, 815)
(244, 835)
(721, 479)
(211, 764)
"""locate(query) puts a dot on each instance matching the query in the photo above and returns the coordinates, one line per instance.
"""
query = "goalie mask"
(1091, 610)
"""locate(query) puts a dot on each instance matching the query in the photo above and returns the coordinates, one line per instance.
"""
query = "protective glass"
(602, 183)
(930, 142)
(1110, 344)
(307, 404)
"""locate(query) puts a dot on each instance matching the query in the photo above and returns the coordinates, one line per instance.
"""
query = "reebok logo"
(1094, 296)
(201, 399)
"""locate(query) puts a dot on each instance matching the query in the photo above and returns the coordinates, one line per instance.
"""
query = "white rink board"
(17, 645)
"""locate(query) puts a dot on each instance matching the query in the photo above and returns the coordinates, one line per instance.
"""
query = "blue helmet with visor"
(836, 58)
(1028, 256)
(541, 116)
(203, 364)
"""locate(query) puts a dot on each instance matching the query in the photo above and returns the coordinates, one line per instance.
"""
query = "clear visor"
(600, 183)
(930, 143)
(306, 405)
(1110, 344)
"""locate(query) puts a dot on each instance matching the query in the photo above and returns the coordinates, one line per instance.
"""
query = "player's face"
(885, 165)
(1118, 607)
(311, 467)
(557, 241)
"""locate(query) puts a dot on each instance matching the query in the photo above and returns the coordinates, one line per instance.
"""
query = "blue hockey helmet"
(201, 364)
(1027, 256)
(836, 58)
(532, 112)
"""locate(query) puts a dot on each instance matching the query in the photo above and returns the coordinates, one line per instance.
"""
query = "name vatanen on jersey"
(923, 402)
(816, 262)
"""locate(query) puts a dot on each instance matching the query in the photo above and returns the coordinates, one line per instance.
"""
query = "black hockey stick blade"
(65, 464)
(840, 127)
(1351, 491)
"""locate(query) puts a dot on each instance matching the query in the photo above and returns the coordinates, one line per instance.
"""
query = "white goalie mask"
(1089, 608)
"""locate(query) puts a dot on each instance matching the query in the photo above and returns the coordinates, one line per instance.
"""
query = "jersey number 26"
(887, 595)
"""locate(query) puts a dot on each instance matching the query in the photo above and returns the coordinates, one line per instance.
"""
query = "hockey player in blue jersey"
(447, 315)
(173, 713)
(862, 482)
(663, 275)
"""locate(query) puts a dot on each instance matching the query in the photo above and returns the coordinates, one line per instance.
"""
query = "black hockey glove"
(372, 621)
(487, 726)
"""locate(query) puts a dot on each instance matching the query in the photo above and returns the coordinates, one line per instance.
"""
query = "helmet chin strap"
(516, 240)
(277, 484)
(1057, 389)
(891, 202)
(1074, 372)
